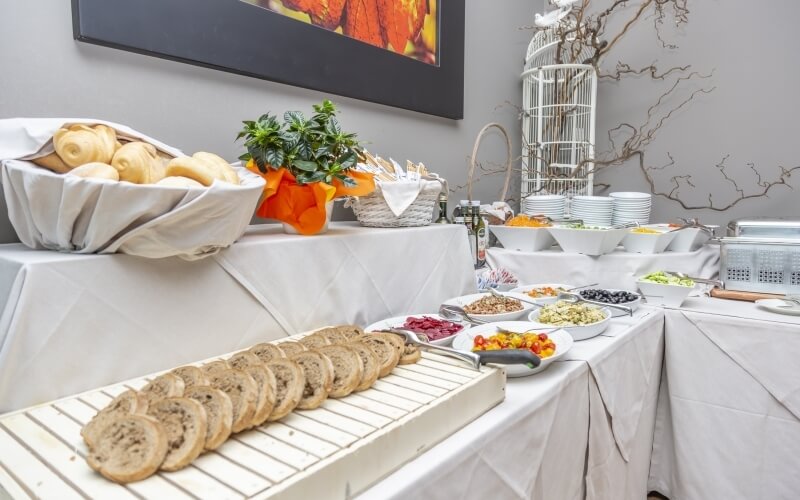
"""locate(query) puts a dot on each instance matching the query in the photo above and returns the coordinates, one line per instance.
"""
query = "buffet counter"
(728, 423)
(129, 315)
(618, 269)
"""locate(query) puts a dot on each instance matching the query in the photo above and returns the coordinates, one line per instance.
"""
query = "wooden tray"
(335, 451)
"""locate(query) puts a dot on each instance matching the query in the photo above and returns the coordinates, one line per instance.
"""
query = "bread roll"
(179, 182)
(138, 162)
(185, 424)
(52, 162)
(80, 144)
(193, 168)
(130, 448)
(220, 165)
(96, 170)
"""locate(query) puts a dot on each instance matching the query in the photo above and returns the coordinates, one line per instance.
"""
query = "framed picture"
(408, 54)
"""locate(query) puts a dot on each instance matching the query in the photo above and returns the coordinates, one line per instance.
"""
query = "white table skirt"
(70, 323)
(537, 442)
(618, 269)
(728, 423)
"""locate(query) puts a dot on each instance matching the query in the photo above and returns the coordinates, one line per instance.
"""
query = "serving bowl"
(587, 241)
(685, 240)
(525, 239)
(541, 300)
(648, 242)
(579, 332)
(399, 321)
(466, 300)
(463, 341)
(634, 304)
(661, 294)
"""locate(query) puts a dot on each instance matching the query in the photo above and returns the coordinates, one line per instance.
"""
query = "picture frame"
(238, 37)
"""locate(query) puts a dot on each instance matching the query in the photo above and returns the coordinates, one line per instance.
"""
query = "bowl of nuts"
(490, 308)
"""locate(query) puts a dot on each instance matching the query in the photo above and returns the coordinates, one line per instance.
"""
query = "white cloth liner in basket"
(398, 206)
(69, 214)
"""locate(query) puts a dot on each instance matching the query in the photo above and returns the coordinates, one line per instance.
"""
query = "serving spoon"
(685, 276)
(454, 312)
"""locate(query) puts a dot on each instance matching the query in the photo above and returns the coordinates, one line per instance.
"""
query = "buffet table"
(728, 422)
(618, 269)
(582, 428)
(125, 316)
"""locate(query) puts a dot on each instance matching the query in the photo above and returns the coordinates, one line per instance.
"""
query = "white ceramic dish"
(587, 241)
(579, 332)
(664, 295)
(779, 306)
(463, 342)
(398, 321)
(685, 240)
(466, 300)
(525, 239)
(634, 304)
(647, 243)
(541, 300)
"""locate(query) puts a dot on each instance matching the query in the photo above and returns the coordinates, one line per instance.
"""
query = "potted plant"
(307, 163)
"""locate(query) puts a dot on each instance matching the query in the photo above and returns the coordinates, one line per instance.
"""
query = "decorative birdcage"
(558, 124)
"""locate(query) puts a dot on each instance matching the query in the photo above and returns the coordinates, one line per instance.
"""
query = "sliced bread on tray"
(191, 375)
(128, 403)
(213, 367)
(291, 347)
(167, 385)
(130, 448)
(242, 359)
(347, 369)
(243, 392)
(318, 372)
(219, 413)
(369, 363)
(290, 382)
(266, 387)
(266, 352)
(387, 353)
(185, 425)
(350, 332)
(314, 340)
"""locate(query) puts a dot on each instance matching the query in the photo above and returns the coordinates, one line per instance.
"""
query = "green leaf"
(305, 165)
(348, 160)
(245, 157)
(294, 117)
(275, 157)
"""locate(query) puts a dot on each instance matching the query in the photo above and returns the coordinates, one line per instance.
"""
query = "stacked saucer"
(550, 205)
(593, 210)
(631, 207)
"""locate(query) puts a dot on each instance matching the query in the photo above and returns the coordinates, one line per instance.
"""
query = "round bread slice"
(213, 367)
(130, 448)
(289, 384)
(244, 359)
(386, 351)
(347, 369)
(186, 425)
(332, 334)
(350, 332)
(318, 373)
(314, 340)
(167, 385)
(370, 364)
(266, 352)
(128, 403)
(219, 413)
(411, 354)
(267, 386)
(191, 376)
(290, 348)
(243, 392)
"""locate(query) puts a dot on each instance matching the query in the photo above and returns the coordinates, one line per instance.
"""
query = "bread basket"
(373, 211)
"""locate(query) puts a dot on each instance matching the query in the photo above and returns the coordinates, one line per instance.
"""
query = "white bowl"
(526, 239)
(664, 295)
(540, 300)
(398, 321)
(647, 243)
(463, 342)
(634, 304)
(465, 300)
(587, 241)
(579, 332)
(689, 239)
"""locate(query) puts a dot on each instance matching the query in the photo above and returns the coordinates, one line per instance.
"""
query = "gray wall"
(46, 73)
(750, 116)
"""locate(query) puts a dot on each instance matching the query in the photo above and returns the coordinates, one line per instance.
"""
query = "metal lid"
(765, 227)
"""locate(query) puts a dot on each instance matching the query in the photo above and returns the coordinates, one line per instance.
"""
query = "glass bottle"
(442, 210)
(459, 210)
(479, 226)
(468, 216)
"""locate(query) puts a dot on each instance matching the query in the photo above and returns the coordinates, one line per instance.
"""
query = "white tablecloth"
(70, 322)
(618, 269)
(728, 422)
(596, 406)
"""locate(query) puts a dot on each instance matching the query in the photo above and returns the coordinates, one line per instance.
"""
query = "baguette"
(130, 448)
(386, 351)
(290, 348)
(332, 334)
(350, 332)
(167, 385)
(243, 392)
(347, 369)
(243, 359)
(314, 340)
(215, 366)
(128, 403)
(185, 424)
(191, 376)
(266, 388)
(318, 374)
(290, 383)
(370, 364)
(219, 413)
(266, 352)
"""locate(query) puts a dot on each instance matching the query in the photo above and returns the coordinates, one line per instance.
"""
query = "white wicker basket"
(373, 211)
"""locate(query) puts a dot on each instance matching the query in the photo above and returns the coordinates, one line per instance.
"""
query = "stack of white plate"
(631, 207)
(593, 210)
(551, 205)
